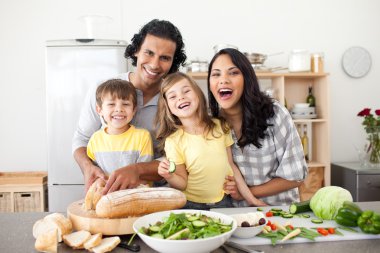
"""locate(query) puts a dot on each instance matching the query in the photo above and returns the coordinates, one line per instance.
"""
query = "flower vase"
(373, 149)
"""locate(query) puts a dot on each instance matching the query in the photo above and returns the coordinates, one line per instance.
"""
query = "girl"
(267, 147)
(197, 145)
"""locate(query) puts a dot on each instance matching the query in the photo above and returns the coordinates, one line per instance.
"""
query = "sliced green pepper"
(369, 222)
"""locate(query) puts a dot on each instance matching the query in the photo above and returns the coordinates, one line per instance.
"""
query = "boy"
(119, 143)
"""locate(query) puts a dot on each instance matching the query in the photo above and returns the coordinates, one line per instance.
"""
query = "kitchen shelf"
(292, 87)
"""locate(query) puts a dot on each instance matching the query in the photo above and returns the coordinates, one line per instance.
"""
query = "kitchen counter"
(16, 237)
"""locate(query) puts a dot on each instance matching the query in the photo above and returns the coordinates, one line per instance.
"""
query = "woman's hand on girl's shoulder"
(230, 187)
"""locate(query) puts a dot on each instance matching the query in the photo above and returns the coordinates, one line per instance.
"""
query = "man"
(157, 50)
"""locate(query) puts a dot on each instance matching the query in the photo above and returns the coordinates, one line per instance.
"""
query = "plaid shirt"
(281, 155)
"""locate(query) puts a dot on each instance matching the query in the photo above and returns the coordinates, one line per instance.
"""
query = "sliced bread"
(76, 239)
(94, 241)
(93, 194)
(107, 244)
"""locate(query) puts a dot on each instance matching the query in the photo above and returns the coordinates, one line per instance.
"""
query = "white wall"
(330, 26)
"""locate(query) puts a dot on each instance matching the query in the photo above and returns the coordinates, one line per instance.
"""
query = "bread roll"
(139, 201)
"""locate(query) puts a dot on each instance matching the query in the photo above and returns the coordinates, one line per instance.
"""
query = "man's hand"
(230, 187)
(91, 174)
(123, 178)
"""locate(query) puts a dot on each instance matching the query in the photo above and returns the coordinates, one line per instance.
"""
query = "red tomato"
(273, 227)
(269, 214)
(331, 230)
(323, 231)
(268, 223)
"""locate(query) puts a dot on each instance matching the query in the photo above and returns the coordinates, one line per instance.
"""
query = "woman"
(267, 147)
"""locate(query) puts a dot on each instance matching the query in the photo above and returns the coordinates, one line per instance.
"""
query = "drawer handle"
(1, 195)
(26, 195)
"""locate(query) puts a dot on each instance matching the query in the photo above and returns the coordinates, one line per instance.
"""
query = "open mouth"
(183, 105)
(118, 117)
(151, 73)
(225, 93)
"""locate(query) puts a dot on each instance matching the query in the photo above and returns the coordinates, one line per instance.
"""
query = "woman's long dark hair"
(257, 107)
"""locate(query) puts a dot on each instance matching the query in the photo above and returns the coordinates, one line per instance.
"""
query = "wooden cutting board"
(87, 220)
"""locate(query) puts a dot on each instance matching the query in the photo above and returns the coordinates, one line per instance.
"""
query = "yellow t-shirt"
(112, 152)
(206, 162)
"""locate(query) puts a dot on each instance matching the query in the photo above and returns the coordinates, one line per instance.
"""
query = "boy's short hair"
(117, 88)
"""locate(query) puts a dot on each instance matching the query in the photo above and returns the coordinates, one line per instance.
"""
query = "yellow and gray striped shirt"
(112, 152)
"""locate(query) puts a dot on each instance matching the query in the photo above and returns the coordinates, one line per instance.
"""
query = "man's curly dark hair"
(162, 29)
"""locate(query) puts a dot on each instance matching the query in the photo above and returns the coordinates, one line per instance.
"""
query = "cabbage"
(327, 200)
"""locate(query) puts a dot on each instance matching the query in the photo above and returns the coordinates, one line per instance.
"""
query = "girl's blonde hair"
(167, 123)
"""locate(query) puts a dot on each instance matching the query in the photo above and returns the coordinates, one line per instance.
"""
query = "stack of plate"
(303, 111)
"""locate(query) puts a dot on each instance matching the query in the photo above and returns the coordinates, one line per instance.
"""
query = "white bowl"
(183, 246)
(247, 232)
(251, 218)
(301, 105)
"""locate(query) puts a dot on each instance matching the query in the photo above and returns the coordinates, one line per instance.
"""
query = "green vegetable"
(348, 214)
(326, 201)
(186, 226)
(369, 222)
(287, 215)
(317, 221)
(300, 207)
(171, 167)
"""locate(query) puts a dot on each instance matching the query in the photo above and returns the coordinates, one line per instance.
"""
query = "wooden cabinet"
(293, 88)
(23, 191)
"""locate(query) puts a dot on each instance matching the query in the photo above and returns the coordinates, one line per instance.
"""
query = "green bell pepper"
(348, 214)
(369, 222)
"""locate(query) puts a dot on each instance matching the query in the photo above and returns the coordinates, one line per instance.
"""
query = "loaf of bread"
(53, 221)
(47, 242)
(93, 194)
(139, 201)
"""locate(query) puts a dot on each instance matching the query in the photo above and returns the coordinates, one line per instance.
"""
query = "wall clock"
(356, 62)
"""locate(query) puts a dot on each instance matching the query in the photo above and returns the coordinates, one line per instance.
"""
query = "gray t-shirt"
(89, 120)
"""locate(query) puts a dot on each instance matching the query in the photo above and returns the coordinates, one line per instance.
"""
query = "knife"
(242, 247)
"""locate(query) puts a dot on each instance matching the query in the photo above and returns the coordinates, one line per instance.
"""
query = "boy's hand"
(124, 178)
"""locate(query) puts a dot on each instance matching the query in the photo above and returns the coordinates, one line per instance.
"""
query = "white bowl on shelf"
(301, 105)
(183, 246)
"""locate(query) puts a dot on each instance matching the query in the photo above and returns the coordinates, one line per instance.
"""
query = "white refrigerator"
(72, 68)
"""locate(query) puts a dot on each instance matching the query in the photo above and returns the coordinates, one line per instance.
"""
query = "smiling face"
(117, 113)
(154, 60)
(226, 83)
(182, 100)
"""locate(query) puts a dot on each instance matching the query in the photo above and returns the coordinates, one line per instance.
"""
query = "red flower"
(366, 112)
(377, 112)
